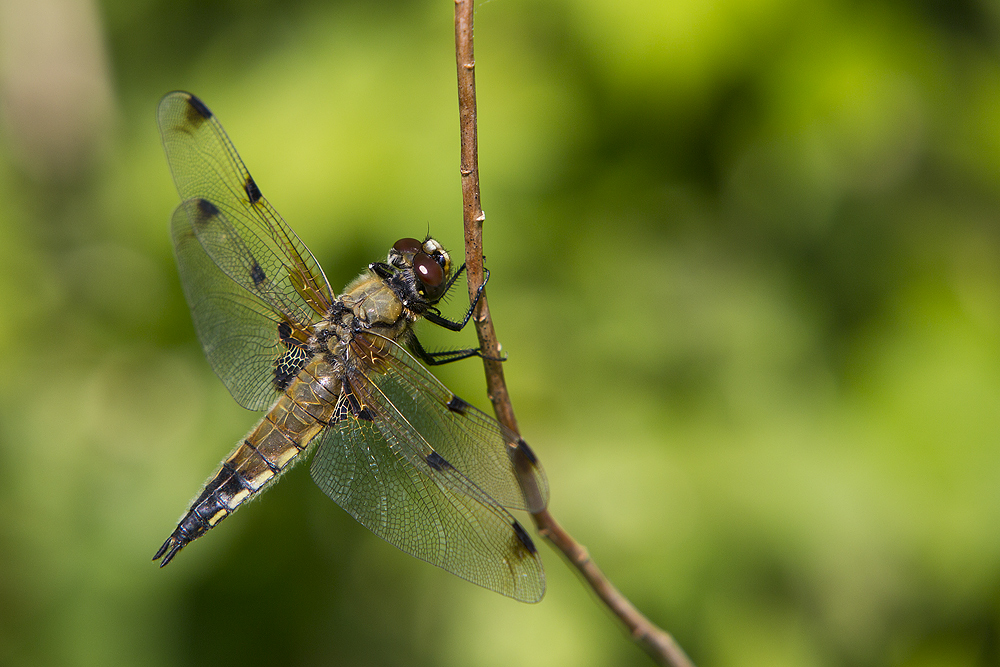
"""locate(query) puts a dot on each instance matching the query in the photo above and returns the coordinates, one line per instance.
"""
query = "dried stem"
(657, 642)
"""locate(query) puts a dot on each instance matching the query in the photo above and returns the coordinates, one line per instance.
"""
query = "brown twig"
(657, 642)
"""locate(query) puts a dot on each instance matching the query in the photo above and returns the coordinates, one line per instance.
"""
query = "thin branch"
(657, 642)
(473, 213)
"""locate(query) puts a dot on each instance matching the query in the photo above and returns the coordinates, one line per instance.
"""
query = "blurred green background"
(746, 265)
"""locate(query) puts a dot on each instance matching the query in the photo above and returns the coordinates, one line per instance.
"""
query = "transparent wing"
(408, 507)
(253, 287)
(252, 348)
(426, 422)
(244, 235)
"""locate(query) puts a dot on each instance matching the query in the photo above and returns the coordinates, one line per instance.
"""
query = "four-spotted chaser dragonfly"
(411, 461)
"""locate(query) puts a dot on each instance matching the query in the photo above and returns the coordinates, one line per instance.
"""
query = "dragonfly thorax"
(372, 301)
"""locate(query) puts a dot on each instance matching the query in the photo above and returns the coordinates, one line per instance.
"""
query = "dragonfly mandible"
(340, 377)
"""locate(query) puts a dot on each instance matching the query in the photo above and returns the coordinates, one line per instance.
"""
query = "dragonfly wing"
(408, 507)
(427, 422)
(252, 244)
(253, 286)
(252, 348)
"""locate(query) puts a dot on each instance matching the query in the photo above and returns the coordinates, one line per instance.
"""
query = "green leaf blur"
(745, 262)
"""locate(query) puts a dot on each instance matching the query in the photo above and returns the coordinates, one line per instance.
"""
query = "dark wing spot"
(352, 401)
(522, 446)
(287, 336)
(340, 413)
(257, 274)
(253, 192)
(206, 211)
(457, 405)
(437, 461)
(359, 411)
(288, 365)
(522, 535)
(197, 112)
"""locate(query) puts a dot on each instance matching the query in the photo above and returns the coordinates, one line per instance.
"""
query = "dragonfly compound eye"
(404, 246)
(428, 270)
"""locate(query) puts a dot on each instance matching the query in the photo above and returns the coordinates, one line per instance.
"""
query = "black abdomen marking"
(274, 469)
(211, 507)
(235, 485)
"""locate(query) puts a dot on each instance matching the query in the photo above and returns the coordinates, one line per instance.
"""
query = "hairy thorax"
(371, 301)
(367, 303)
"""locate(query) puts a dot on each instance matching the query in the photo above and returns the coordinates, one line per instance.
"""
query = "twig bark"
(657, 642)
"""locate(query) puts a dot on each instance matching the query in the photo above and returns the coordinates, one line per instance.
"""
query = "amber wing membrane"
(253, 286)
(409, 507)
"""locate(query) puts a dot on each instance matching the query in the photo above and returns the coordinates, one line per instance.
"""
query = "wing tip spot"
(522, 536)
(197, 111)
(529, 454)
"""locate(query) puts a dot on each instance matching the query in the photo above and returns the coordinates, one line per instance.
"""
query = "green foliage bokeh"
(746, 266)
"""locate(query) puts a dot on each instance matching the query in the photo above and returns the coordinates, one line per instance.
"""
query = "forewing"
(407, 506)
(248, 240)
(252, 347)
(427, 423)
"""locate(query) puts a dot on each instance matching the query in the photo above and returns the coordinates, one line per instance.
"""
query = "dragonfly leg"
(434, 315)
(447, 356)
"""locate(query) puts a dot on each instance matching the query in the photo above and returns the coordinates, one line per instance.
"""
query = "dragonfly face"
(411, 461)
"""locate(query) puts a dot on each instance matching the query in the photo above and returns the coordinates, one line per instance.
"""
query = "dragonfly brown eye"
(429, 271)
(408, 245)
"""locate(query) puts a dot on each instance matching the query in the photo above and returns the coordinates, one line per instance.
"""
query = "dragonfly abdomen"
(274, 444)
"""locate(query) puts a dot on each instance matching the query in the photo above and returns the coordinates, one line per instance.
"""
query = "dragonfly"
(341, 377)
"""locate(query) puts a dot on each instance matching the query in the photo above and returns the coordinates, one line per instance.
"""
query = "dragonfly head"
(429, 262)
